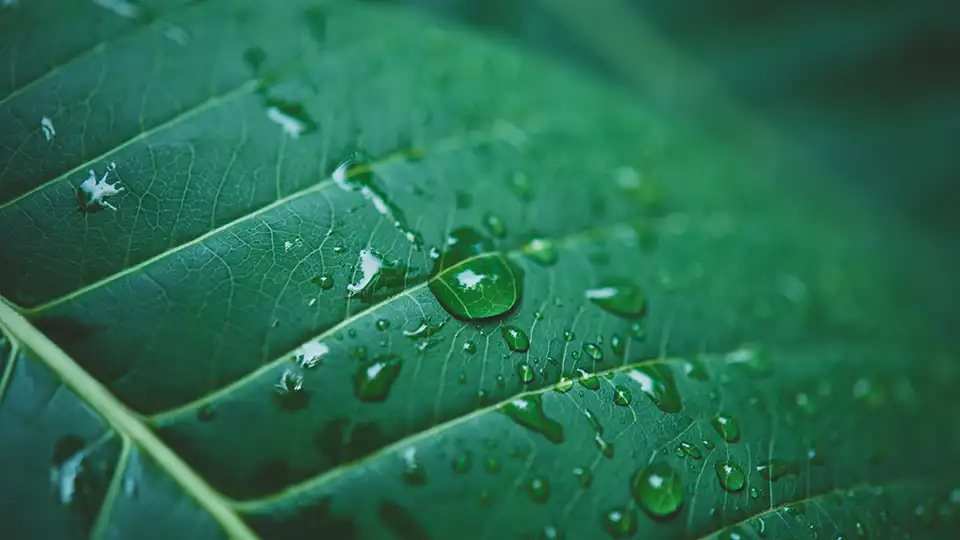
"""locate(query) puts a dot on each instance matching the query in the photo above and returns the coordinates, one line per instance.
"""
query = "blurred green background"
(869, 89)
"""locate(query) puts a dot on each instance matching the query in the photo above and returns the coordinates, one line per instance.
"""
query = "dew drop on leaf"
(605, 446)
(622, 396)
(372, 380)
(638, 331)
(525, 372)
(696, 370)
(691, 450)
(65, 448)
(292, 117)
(290, 395)
(542, 251)
(584, 477)
(538, 488)
(618, 346)
(750, 360)
(383, 325)
(325, 281)
(424, 329)
(564, 385)
(462, 462)
(413, 472)
(491, 464)
(593, 351)
(551, 532)
(730, 475)
(569, 336)
(708, 444)
(528, 412)
(620, 522)
(619, 297)
(727, 427)
(657, 381)
(310, 354)
(593, 420)
(494, 225)
(469, 347)
(516, 338)
(776, 469)
(658, 489)
(355, 176)
(754, 493)
(588, 381)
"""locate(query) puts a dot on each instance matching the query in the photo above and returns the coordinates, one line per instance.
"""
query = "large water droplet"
(727, 427)
(516, 338)
(352, 175)
(528, 412)
(588, 381)
(730, 475)
(658, 489)
(373, 380)
(776, 469)
(310, 353)
(620, 522)
(619, 297)
(657, 381)
(538, 488)
(471, 282)
(542, 251)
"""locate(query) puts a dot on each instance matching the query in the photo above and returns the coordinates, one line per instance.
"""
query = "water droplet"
(525, 372)
(413, 473)
(732, 534)
(638, 331)
(354, 176)
(759, 525)
(290, 395)
(606, 448)
(691, 450)
(584, 477)
(339, 250)
(727, 427)
(564, 385)
(588, 381)
(528, 412)
(538, 488)
(730, 475)
(657, 382)
(618, 346)
(621, 298)
(310, 354)
(292, 117)
(861, 530)
(521, 186)
(469, 347)
(708, 444)
(569, 336)
(593, 420)
(372, 380)
(750, 360)
(754, 493)
(542, 251)
(658, 489)
(620, 522)
(462, 462)
(383, 325)
(776, 469)
(501, 382)
(206, 413)
(484, 498)
(695, 369)
(494, 225)
(593, 351)
(795, 509)
(378, 277)
(622, 396)
(492, 465)
(516, 338)
(471, 282)
(254, 57)
(424, 329)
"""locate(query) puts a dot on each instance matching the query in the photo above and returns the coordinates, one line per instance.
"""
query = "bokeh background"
(869, 89)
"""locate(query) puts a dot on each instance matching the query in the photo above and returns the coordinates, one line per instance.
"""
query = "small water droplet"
(516, 338)
(462, 378)
(492, 465)
(521, 186)
(750, 360)
(462, 462)
(658, 489)
(254, 57)
(795, 509)
(620, 522)
(310, 354)
(695, 369)
(730, 475)
(622, 396)
(605, 447)
(292, 117)
(593, 351)
(754, 493)
(525, 372)
(413, 472)
(339, 250)
(708, 444)
(542, 251)
(584, 477)
(383, 325)
(619, 297)
(484, 498)
(727, 427)
(469, 347)
(569, 336)
(618, 346)
(638, 331)
(776, 469)
(564, 385)
(657, 382)
(494, 225)
(593, 420)
(691, 450)
(424, 329)
(528, 412)
(538, 488)
(372, 380)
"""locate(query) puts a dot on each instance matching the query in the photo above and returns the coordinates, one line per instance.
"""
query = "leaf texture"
(252, 338)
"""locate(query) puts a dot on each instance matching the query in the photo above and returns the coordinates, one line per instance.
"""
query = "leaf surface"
(373, 277)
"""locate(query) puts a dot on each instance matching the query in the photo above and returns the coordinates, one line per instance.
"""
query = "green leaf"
(289, 326)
